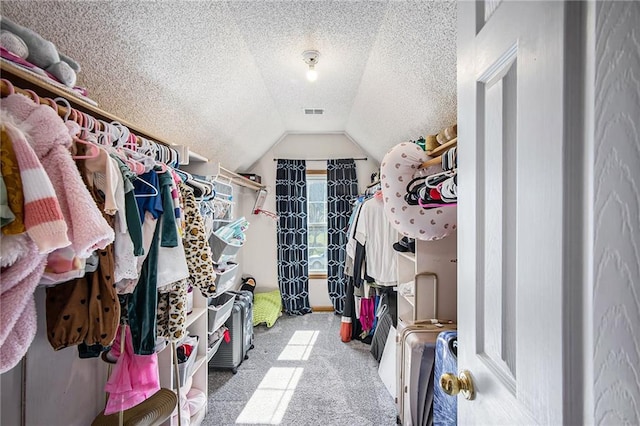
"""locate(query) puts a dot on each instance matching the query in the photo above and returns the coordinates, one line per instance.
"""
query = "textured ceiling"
(227, 78)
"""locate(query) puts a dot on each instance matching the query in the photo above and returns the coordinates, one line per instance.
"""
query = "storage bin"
(185, 369)
(219, 310)
(221, 250)
(213, 348)
(225, 280)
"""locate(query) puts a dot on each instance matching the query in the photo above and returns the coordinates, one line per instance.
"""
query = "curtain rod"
(321, 159)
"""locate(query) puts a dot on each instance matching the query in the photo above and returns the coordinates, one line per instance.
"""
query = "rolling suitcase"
(230, 354)
(245, 298)
(416, 355)
(445, 407)
(240, 324)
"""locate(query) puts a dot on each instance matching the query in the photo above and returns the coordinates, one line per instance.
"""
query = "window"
(317, 222)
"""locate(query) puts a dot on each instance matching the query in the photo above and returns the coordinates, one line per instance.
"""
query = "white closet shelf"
(200, 360)
(211, 351)
(194, 315)
(411, 299)
(408, 255)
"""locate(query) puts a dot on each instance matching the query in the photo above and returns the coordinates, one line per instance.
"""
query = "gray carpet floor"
(334, 384)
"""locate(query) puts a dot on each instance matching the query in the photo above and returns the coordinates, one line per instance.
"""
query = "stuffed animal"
(40, 52)
(248, 283)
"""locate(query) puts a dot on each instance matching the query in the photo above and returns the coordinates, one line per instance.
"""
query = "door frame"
(578, 210)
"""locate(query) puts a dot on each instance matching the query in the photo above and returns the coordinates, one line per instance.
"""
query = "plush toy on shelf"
(33, 48)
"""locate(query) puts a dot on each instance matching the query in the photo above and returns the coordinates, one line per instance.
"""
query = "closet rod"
(25, 77)
(240, 180)
(321, 159)
(432, 162)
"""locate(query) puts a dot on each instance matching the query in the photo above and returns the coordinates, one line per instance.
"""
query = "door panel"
(497, 115)
(510, 122)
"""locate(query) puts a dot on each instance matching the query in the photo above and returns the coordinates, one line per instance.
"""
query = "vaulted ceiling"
(228, 79)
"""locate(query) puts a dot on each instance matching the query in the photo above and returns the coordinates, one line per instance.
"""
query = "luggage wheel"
(246, 357)
(234, 370)
(398, 420)
(252, 346)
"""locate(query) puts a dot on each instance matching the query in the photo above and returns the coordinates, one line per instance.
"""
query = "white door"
(512, 250)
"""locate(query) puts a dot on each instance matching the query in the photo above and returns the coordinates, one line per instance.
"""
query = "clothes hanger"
(155, 190)
(95, 151)
(67, 106)
(123, 134)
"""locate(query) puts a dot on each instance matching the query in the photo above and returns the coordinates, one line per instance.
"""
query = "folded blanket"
(267, 307)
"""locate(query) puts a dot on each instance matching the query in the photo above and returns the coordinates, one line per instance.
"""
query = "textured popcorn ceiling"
(227, 78)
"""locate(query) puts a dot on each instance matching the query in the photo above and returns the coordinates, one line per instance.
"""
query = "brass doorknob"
(453, 385)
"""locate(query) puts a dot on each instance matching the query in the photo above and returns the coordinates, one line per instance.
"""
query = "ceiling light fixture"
(310, 57)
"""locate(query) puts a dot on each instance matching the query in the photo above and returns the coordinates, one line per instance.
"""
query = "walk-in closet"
(324, 213)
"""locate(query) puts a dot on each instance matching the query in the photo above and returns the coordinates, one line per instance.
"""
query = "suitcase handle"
(453, 346)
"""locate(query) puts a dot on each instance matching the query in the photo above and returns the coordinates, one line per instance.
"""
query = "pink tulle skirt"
(134, 377)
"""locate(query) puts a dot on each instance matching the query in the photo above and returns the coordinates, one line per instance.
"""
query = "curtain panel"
(342, 189)
(291, 206)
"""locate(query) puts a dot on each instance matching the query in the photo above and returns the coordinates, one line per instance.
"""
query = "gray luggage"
(240, 324)
(416, 353)
(245, 298)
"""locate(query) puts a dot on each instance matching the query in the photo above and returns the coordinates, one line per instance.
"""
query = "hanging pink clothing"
(134, 378)
(367, 314)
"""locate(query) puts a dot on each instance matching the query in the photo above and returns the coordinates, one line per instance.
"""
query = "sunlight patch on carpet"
(299, 346)
(269, 402)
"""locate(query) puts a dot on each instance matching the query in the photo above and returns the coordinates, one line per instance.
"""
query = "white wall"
(616, 216)
(260, 252)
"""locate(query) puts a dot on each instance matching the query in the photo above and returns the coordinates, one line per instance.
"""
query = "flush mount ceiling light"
(310, 57)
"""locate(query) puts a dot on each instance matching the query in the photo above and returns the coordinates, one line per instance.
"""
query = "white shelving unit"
(432, 276)
(198, 321)
(196, 326)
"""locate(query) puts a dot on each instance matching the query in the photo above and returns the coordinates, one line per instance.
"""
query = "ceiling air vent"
(313, 111)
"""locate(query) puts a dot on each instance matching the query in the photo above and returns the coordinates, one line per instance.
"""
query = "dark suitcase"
(445, 407)
(240, 324)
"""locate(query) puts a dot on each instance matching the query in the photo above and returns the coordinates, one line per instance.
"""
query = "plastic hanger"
(155, 190)
(95, 151)
(67, 106)
(79, 118)
(123, 134)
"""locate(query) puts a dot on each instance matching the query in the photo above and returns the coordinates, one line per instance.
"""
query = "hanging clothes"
(197, 250)
(85, 310)
(13, 184)
(375, 232)
(19, 280)
(42, 215)
(50, 140)
(143, 300)
(172, 264)
(172, 312)
(132, 214)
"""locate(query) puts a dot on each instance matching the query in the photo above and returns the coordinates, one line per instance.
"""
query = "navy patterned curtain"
(342, 189)
(291, 205)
